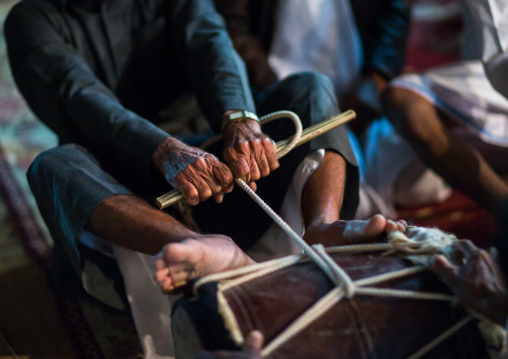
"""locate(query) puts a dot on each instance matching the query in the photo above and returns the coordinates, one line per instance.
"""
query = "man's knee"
(49, 164)
(310, 82)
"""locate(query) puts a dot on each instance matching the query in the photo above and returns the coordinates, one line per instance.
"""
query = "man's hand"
(475, 278)
(197, 174)
(251, 349)
(249, 153)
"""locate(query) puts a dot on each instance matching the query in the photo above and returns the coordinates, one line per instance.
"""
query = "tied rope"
(345, 287)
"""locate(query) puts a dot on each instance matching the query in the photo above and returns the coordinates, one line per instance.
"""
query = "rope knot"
(418, 241)
(340, 278)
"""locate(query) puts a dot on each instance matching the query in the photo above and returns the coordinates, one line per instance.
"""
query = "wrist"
(160, 152)
(237, 116)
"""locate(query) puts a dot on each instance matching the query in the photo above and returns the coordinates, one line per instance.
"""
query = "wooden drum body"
(363, 326)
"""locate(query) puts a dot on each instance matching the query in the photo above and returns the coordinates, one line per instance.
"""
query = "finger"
(260, 157)
(209, 176)
(218, 198)
(485, 258)
(444, 269)
(271, 153)
(190, 193)
(240, 169)
(213, 185)
(204, 191)
(439, 262)
(200, 173)
(224, 176)
(264, 168)
(253, 167)
(253, 186)
(254, 341)
(236, 158)
(469, 246)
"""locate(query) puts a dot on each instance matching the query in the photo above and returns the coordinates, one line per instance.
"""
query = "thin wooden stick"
(308, 134)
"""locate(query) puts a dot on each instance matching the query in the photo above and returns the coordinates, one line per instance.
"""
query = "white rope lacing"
(345, 286)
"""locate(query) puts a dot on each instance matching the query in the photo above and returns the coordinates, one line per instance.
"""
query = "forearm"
(108, 126)
(221, 84)
(132, 223)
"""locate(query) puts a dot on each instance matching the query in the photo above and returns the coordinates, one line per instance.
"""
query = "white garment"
(490, 20)
(275, 242)
(151, 310)
(463, 91)
(319, 36)
(486, 29)
(395, 172)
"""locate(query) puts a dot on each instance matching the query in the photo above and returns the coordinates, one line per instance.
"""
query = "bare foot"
(352, 232)
(193, 258)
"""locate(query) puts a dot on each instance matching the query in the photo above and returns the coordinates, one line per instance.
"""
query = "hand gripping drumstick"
(308, 134)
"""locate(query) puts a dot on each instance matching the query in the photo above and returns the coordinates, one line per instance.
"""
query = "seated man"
(454, 118)
(100, 74)
(358, 44)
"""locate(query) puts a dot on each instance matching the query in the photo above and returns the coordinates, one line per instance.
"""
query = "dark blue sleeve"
(63, 91)
(384, 27)
(216, 72)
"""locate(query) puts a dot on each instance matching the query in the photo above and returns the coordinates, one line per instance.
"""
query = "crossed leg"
(428, 130)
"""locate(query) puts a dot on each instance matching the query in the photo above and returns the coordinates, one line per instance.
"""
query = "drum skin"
(360, 327)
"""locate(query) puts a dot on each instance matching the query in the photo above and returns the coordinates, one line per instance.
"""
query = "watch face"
(237, 115)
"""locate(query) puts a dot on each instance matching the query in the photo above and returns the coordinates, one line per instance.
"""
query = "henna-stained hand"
(199, 175)
(249, 153)
(251, 349)
(475, 278)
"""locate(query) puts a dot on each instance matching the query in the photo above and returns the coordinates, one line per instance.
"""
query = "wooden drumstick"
(308, 134)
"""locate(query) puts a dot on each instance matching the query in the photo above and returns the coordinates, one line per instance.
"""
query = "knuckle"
(205, 193)
(200, 162)
(242, 146)
(192, 199)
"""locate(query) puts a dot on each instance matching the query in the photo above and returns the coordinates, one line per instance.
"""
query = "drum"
(218, 314)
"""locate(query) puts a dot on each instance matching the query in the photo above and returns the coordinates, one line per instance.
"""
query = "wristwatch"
(238, 116)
